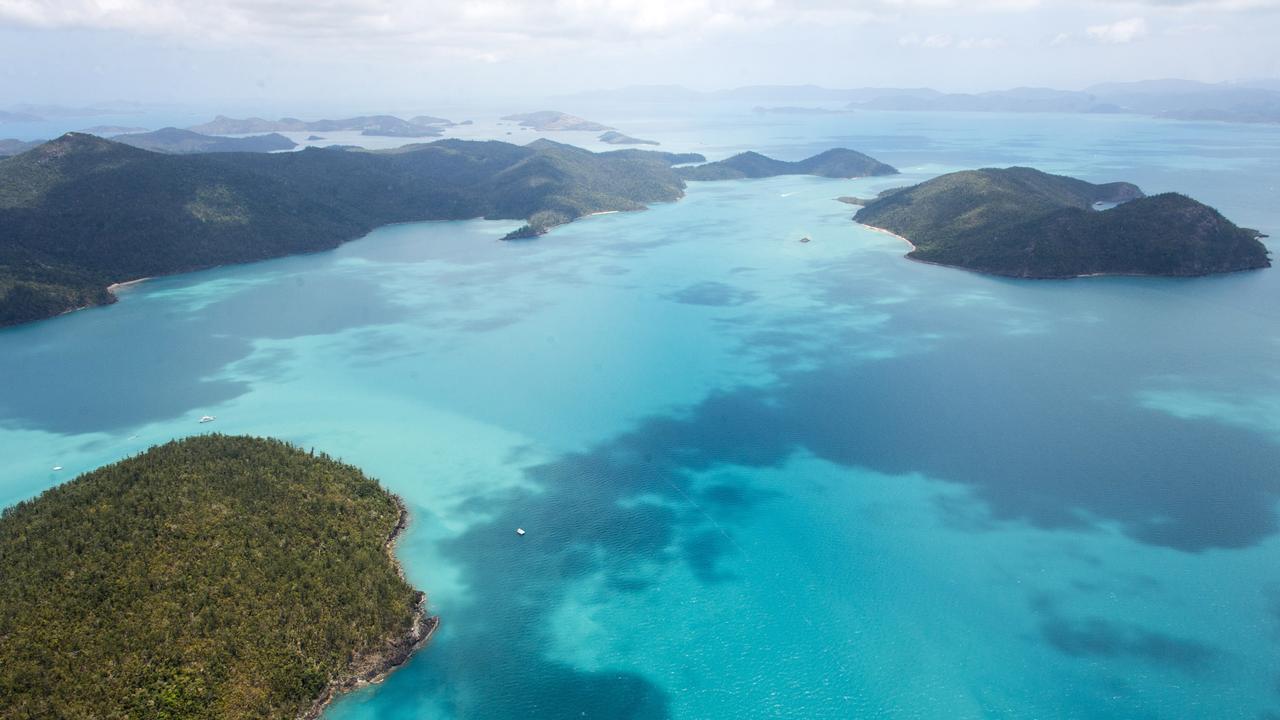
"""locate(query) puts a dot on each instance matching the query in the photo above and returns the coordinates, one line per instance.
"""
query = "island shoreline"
(113, 287)
(893, 234)
(376, 664)
(1045, 277)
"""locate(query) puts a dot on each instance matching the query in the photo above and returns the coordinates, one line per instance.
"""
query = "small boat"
(56, 468)
(207, 419)
(804, 239)
(520, 531)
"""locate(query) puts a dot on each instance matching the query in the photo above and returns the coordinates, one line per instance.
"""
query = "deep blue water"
(760, 478)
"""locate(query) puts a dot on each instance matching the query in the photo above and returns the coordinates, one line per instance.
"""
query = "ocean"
(758, 477)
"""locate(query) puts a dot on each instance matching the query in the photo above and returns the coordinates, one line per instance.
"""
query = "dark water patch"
(126, 365)
(733, 496)
(266, 364)
(715, 294)
(301, 305)
(1036, 449)
(1039, 449)
(590, 517)
(1099, 638)
(702, 553)
(110, 374)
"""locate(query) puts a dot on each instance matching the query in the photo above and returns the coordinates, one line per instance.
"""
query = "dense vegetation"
(173, 140)
(1025, 223)
(835, 163)
(213, 577)
(79, 213)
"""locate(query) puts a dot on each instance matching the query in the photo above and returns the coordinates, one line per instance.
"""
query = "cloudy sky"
(374, 51)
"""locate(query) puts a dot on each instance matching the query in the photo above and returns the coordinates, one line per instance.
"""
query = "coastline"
(1043, 277)
(890, 233)
(375, 664)
(113, 287)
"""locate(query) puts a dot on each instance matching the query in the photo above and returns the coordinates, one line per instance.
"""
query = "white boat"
(520, 531)
(56, 468)
(207, 419)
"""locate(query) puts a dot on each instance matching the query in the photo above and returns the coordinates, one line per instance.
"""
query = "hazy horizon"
(353, 54)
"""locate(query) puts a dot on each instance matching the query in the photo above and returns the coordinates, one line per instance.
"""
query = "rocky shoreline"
(375, 664)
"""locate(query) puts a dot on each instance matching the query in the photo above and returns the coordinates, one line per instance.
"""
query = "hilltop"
(80, 213)
(212, 577)
(835, 163)
(1022, 222)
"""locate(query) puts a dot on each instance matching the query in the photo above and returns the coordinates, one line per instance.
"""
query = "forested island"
(613, 137)
(12, 146)
(550, 120)
(213, 577)
(1025, 223)
(80, 213)
(175, 140)
(834, 163)
(372, 125)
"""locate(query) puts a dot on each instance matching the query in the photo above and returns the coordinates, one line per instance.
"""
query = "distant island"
(613, 137)
(835, 163)
(1170, 99)
(7, 116)
(212, 577)
(371, 125)
(796, 110)
(80, 213)
(1025, 223)
(174, 140)
(13, 147)
(110, 130)
(550, 120)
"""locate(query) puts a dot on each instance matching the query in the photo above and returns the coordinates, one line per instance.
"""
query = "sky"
(379, 53)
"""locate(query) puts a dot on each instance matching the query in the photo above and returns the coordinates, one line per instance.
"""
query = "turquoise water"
(760, 478)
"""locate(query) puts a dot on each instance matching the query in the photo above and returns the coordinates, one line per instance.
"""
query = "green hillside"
(213, 577)
(1025, 223)
(79, 213)
(834, 163)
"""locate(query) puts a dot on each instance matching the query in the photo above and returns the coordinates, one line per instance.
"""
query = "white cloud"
(940, 41)
(486, 29)
(1228, 5)
(440, 18)
(1119, 32)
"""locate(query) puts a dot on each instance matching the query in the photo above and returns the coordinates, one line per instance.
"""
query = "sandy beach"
(113, 287)
(887, 232)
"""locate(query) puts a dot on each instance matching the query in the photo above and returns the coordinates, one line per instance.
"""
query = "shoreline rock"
(374, 665)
